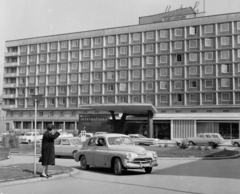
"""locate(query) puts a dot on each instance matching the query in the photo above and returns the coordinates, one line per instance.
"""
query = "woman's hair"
(50, 127)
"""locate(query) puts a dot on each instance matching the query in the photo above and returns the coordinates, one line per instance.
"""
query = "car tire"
(74, 153)
(212, 144)
(148, 170)
(236, 144)
(191, 143)
(84, 164)
(117, 166)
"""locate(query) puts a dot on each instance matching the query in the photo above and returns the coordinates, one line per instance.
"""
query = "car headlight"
(128, 155)
(154, 154)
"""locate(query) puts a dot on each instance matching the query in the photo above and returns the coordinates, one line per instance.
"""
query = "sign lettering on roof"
(94, 117)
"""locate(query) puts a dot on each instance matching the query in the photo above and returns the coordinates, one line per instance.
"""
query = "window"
(64, 44)
(86, 42)
(209, 56)
(43, 47)
(98, 41)
(192, 30)
(74, 54)
(110, 39)
(42, 79)
(86, 53)
(62, 89)
(193, 43)
(163, 46)
(23, 59)
(163, 85)
(193, 97)
(163, 72)
(98, 52)
(177, 84)
(238, 67)
(136, 36)
(123, 50)
(97, 64)
(33, 58)
(123, 74)
(110, 99)
(73, 77)
(123, 38)
(163, 33)
(178, 98)
(149, 73)
(73, 89)
(225, 82)
(208, 97)
(208, 69)
(123, 99)
(52, 101)
(225, 96)
(149, 60)
(225, 68)
(163, 59)
(110, 87)
(192, 70)
(53, 45)
(41, 90)
(97, 88)
(23, 49)
(85, 65)
(238, 25)
(21, 91)
(63, 66)
(62, 101)
(178, 71)
(85, 76)
(110, 75)
(179, 57)
(208, 29)
(149, 99)
(63, 55)
(31, 91)
(208, 42)
(192, 84)
(136, 49)
(43, 57)
(53, 56)
(177, 45)
(224, 40)
(123, 86)
(85, 88)
(74, 66)
(22, 69)
(150, 35)
(136, 86)
(97, 76)
(123, 62)
(149, 47)
(136, 73)
(31, 80)
(238, 39)
(20, 102)
(42, 68)
(52, 67)
(224, 27)
(110, 63)
(33, 47)
(51, 90)
(178, 32)
(74, 43)
(149, 85)
(163, 98)
(193, 57)
(208, 83)
(136, 61)
(110, 51)
(136, 99)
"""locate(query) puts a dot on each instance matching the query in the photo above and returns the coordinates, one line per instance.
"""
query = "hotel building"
(185, 64)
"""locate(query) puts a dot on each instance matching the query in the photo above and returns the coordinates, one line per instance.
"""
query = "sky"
(21, 19)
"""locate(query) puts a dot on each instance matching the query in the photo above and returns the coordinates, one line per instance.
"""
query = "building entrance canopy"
(130, 108)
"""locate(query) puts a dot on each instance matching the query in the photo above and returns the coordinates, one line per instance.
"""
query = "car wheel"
(118, 166)
(191, 143)
(148, 170)
(29, 141)
(236, 144)
(84, 165)
(212, 144)
(74, 153)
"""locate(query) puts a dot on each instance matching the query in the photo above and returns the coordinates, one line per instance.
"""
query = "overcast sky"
(33, 18)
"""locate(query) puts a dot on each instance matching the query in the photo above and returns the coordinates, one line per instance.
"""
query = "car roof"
(110, 135)
(68, 138)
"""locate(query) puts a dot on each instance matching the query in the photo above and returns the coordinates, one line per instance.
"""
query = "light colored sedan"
(211, 139)
(235, 142)
(142, 140)
(67, 146)
(116, 151)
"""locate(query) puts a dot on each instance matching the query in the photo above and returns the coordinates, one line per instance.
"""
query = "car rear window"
(76, 141)
(208, 136)
(215, 136)
(57, 142)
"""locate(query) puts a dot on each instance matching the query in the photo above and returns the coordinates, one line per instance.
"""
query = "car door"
(66, 148)
(89, 151)
(100, 153)
(57, 147)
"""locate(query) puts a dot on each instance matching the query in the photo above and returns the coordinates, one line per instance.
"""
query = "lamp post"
(37, 99)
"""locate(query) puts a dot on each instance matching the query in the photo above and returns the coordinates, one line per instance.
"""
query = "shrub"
(10, 141)
(183, 144)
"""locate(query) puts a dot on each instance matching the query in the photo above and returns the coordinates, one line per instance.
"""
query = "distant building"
(186, 64)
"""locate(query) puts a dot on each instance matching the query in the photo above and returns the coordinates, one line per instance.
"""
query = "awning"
(129, 108)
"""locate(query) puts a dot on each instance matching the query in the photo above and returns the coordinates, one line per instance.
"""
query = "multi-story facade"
(186, 64)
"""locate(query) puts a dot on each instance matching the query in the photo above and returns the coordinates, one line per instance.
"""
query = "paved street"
(171, 176)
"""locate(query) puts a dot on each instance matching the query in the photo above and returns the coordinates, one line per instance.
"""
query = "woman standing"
(48, 155)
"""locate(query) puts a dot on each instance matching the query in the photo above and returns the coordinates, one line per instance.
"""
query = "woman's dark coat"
(48, 154)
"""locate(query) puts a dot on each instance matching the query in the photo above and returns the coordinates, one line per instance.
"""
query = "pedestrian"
(48, 155)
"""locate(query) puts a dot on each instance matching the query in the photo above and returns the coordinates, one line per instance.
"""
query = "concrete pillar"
(150, 123)
(21, 127)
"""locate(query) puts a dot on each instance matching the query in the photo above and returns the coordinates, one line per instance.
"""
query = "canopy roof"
(129, 108)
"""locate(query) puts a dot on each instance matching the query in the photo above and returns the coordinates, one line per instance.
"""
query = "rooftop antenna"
(168, 8)
(204, 6)
(196, 5)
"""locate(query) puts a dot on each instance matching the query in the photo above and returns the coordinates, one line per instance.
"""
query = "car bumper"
(143, 164)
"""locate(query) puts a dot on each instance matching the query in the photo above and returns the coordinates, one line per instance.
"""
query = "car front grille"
(142, 159)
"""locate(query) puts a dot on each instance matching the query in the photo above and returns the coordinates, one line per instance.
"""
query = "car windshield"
(28, 134)
(121, 140)
(76, 141)
(141, 136)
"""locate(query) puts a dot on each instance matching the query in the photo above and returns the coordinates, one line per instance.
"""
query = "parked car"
(29, 137)
(65, 134)
(211, 139)
(117, 151)
(67, 146)
(87, 135)
(100, 132)
(142, 140)
(235, 142)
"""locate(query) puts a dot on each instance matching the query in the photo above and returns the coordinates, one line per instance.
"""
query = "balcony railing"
(7, 107)
(12, 64)
(9, 85)
(11, 54)
(9, 96)
(10, 74)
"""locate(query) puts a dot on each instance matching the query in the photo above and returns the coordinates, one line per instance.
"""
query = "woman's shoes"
(49, 175)
(43, 175)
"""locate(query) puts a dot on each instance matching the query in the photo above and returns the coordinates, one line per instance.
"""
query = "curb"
(38, 179)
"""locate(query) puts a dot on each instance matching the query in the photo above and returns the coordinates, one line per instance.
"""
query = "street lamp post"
(37, 99)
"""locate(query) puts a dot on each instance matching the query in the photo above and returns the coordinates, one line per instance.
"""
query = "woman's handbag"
(40, 159)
